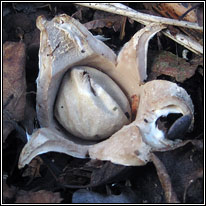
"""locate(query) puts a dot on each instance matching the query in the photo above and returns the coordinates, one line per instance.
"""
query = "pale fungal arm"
(132, 59)
(159, 98)
(50, 140)
(75, 44)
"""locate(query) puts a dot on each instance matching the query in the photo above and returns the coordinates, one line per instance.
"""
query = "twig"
(185, 41)
(123, 10)
(122, 32)
(146, 19)
(165, 181)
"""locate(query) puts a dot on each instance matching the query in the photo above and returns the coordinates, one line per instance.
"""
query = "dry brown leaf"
(169, 64)
(33, 168)
(8, 192)
(114, 22)
(41, 196)
(107, 173)
(104, 19)
(175, 11)
(14, 84)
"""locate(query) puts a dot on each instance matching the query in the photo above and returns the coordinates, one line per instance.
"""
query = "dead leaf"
(41, 196)
(14, 84)
(33, 168)
(184, 165)
(114, 22)
(197, 60)
(109, 172)
(169, 64)
(76, 174)
(175, 11)
(8, 192)
(98, 172)
(103, 19)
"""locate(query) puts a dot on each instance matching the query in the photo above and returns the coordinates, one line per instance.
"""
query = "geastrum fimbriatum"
(85, 94)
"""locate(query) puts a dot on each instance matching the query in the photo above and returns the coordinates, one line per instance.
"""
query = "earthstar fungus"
(66, 46)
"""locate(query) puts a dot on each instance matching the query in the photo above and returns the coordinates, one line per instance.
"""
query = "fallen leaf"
(14, 85)
(167, 63)
(33, 168)
(108, 173)
(114, 22)
(41, 196)
(175, 11)
(8, 192)
(99, 173)
(103, 19)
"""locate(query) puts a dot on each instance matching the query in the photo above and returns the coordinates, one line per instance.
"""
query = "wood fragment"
(185, 41)
(146, 19)
(122, 32)
(165, 181)
(123, 10)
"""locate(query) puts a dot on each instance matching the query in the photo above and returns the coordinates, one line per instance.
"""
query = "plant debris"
(169, 64)
(41, 196)
(14, 85)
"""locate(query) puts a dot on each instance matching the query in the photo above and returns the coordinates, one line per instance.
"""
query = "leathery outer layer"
(66, 43)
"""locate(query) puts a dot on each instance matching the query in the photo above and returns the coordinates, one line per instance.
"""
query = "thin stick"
(146, 19)
(185, 41)
(123, 10)
(165, 180)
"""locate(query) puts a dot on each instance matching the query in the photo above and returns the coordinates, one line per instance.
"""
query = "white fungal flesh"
(151, 133)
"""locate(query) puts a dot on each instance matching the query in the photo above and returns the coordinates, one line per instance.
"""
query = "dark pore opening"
(165, 122)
